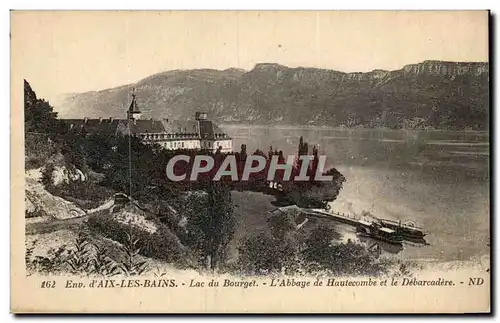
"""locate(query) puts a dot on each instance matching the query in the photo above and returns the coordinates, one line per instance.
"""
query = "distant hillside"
(432, 94)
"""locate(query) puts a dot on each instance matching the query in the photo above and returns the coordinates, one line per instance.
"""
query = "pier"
(345, 218)
(336, 216)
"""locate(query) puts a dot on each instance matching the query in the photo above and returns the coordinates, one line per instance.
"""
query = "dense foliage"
(194, 220)
(289, 249)
(38, 113)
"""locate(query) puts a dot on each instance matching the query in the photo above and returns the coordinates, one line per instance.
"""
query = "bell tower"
(133, 112)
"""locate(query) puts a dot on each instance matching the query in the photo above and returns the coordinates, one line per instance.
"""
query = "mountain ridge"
(430, 94)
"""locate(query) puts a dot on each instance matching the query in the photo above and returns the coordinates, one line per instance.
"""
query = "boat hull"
(407, 232)
(395, 242)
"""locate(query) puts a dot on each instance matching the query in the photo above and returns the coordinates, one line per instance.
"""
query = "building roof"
(107, 126)
(209, 130)
(206, 129)
(144, 126)
(181, 126)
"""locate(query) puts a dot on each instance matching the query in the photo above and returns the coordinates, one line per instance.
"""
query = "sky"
(77, 51)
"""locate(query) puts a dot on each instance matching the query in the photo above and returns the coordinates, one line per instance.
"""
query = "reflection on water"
(380, 246)
(438, 179)
(367, 147)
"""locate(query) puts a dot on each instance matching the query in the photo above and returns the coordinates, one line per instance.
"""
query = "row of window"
(175, 135)
(169, 136)
(194, 144)
(217, 144)
(181, 145)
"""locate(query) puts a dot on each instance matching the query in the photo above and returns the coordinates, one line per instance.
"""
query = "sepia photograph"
(250, 161)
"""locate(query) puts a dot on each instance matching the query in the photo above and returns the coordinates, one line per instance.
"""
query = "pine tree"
(301, 145)
(243, 152)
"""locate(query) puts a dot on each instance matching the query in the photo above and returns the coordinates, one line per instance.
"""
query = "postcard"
(250, 162)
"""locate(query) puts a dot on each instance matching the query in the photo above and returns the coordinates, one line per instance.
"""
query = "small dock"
(327, 215)
(338, 217)
(366, 223)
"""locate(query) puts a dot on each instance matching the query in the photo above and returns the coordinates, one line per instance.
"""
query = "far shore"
(312, 127)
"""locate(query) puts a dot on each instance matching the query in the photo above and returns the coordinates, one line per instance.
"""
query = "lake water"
(438, 179)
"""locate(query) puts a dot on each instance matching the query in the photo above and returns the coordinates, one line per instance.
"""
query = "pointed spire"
(133, 111)
(133, 105)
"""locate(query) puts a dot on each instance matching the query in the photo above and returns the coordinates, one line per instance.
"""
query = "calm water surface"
(438, 179)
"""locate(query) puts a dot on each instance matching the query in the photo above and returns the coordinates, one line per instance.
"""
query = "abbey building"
(199, 133)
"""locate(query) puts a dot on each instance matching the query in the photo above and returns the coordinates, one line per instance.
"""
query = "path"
(60, 224)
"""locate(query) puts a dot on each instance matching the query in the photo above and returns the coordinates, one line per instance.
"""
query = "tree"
(258, 253)
(303, 147)
(266, 254)
(243, 152)
(318, 244)
(210, 223)
(323, 252)
(281, 224)
(222, 223)
(38, 114)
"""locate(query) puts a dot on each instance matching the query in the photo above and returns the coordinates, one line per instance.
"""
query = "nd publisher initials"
(477, 281)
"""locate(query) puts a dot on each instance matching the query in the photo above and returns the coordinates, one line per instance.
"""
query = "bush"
(88, 257)
(38, 150)
(131, 265)
(102, 264)
(78, 259)
(51, 264)
(38, 212)
(340, 258)
(161, 245)
(83, 193)
(262, 254)
(282, 224)
(258, 255)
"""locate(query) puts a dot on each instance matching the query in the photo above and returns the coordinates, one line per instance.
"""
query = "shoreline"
(339, 128)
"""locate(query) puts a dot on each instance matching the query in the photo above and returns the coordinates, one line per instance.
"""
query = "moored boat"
(407, 229)
(376, 231)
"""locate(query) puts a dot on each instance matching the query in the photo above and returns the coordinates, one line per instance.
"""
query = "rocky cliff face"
(449, 69)
(446, 95)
